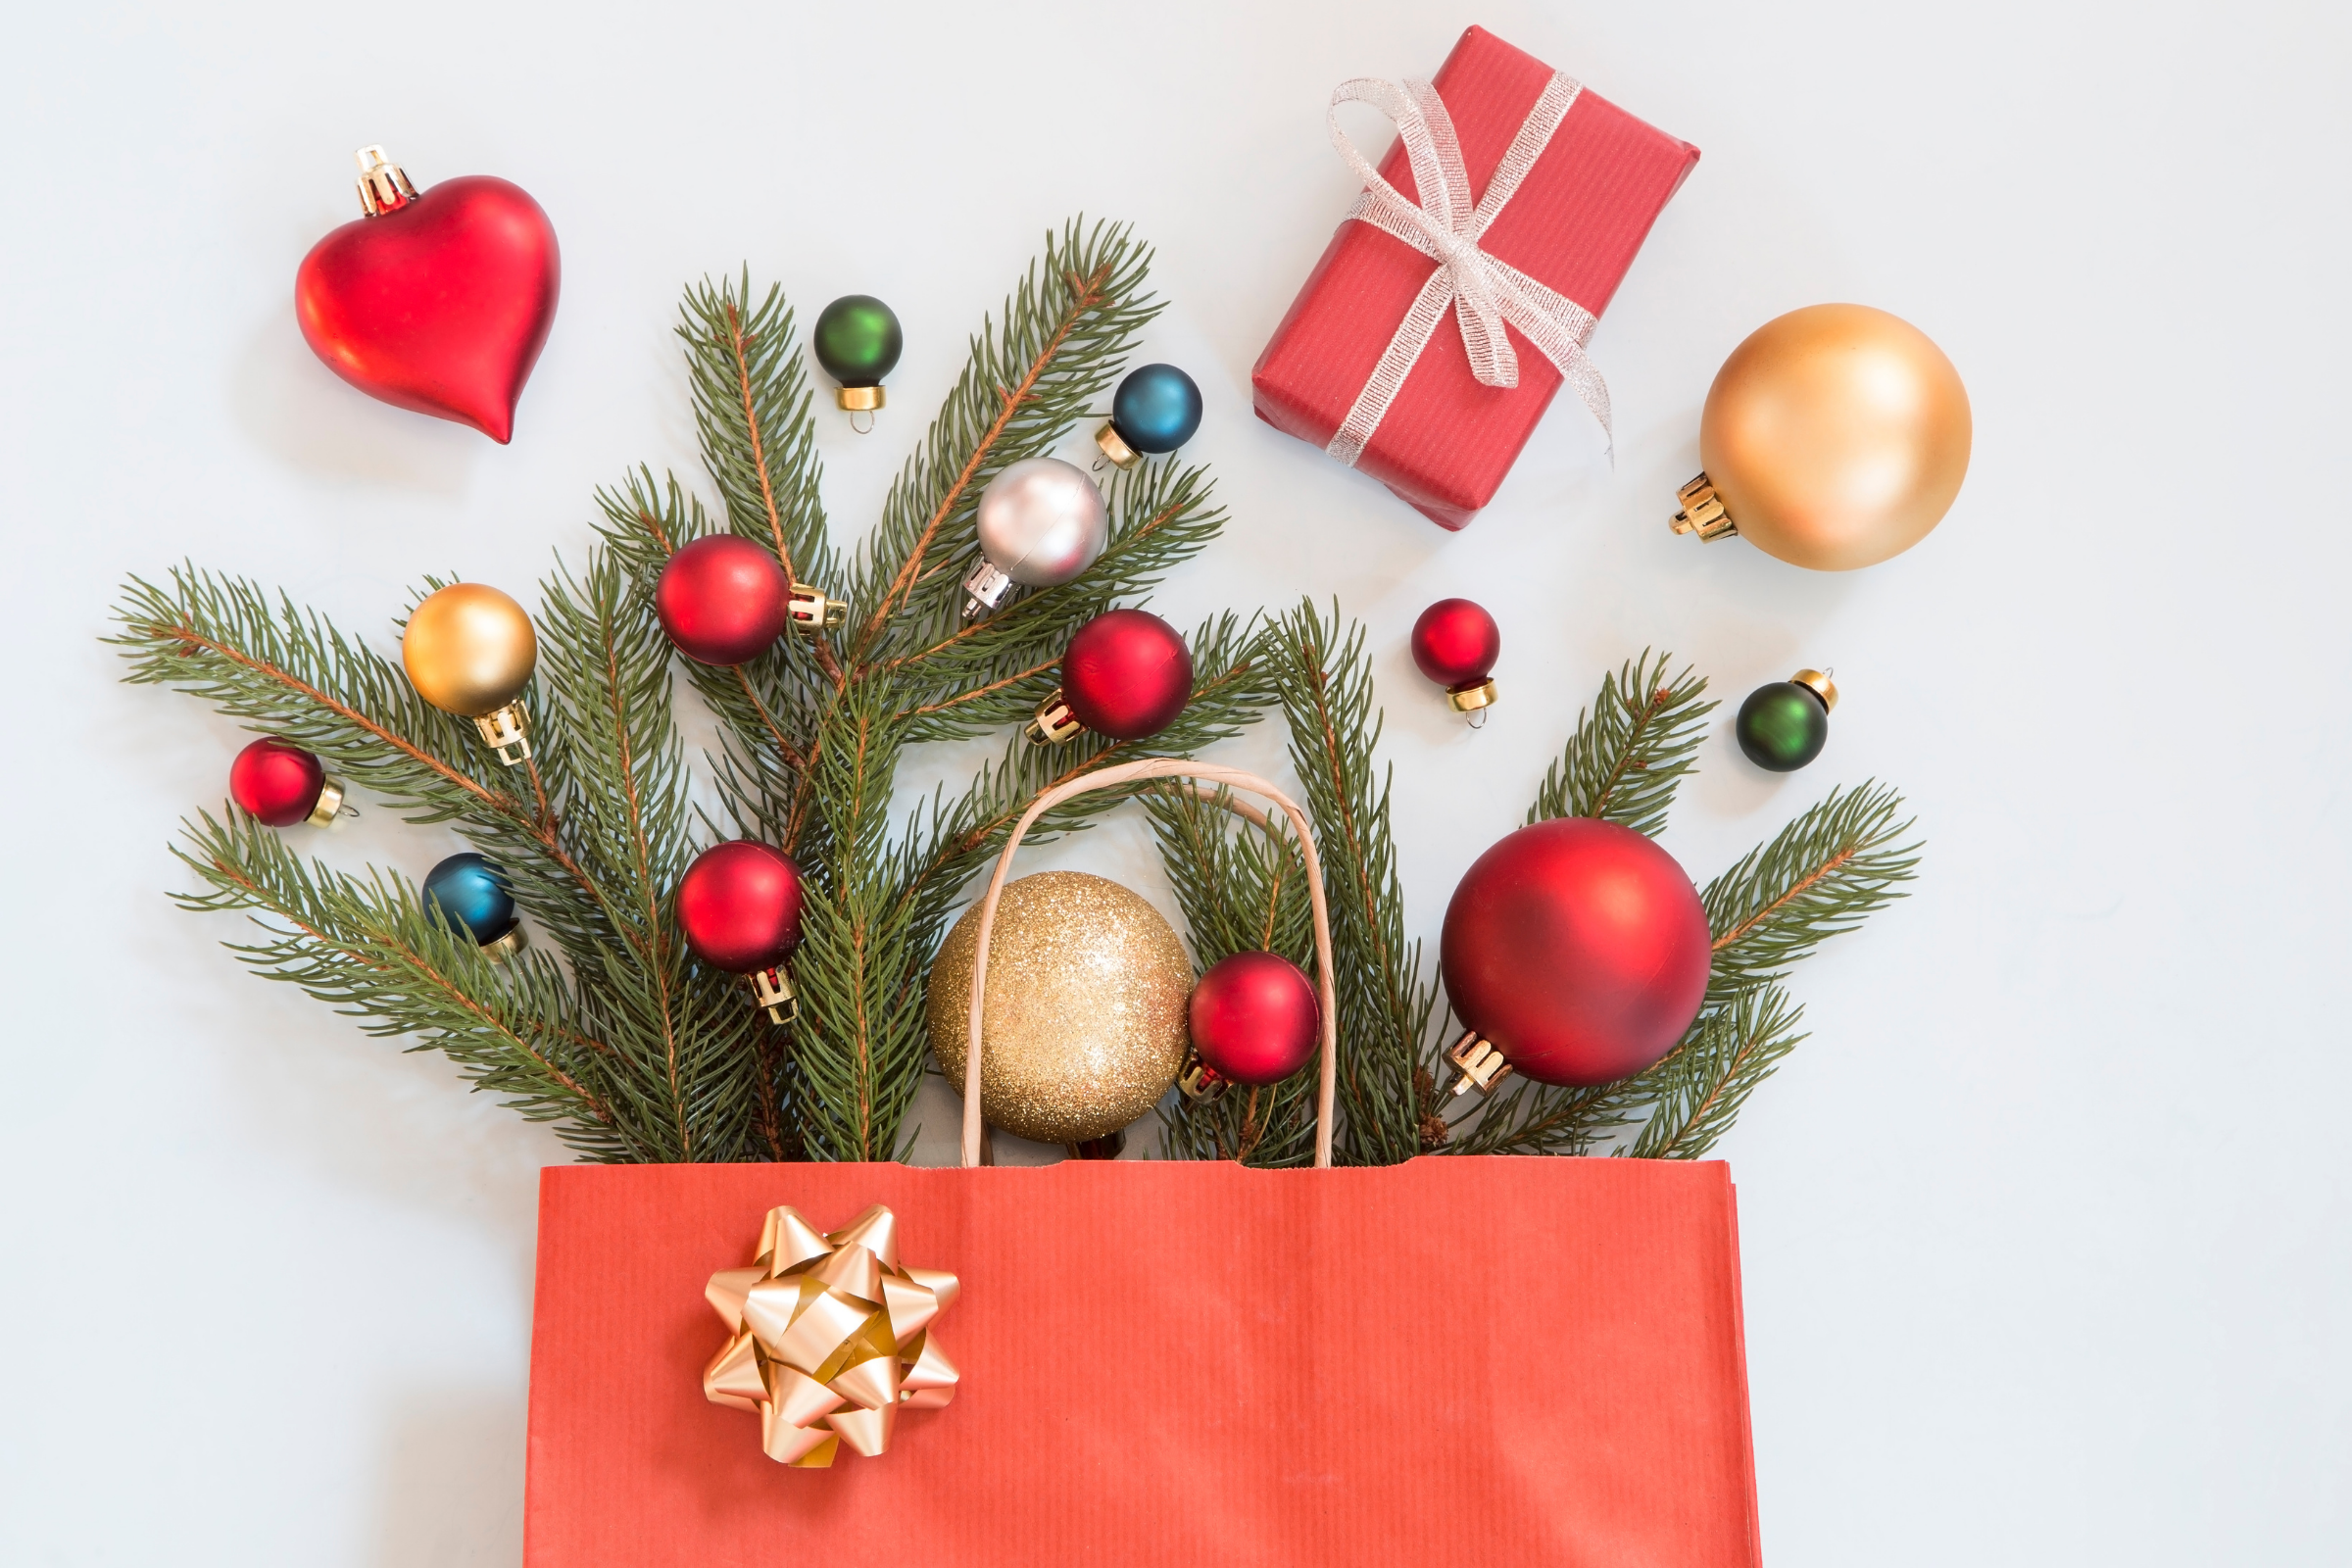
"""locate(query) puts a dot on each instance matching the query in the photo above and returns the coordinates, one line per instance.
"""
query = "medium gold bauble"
(1835, 437)
(469, 649)
(1083, 1026)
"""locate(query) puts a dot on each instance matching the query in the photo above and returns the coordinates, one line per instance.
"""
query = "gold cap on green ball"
(1818, 682)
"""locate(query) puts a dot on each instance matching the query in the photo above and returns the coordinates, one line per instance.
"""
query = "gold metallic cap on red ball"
(771, 989)
(1470, 699)
(330, 802)
(1818, 682)
(1055, 723)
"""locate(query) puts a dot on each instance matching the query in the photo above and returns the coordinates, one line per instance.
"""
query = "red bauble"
(440, 303)
(739, 904)
(1578, 949)
(1127, 674)
(1456, 643)
(1254, 1019)
(279, 783)
(723, 600)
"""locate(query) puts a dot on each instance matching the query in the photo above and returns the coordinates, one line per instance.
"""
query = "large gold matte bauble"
(1083, 1026)
(469, 649)
(1835, 437)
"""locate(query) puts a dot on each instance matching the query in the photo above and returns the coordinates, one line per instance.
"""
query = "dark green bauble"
(1782, 726)
(857, 340)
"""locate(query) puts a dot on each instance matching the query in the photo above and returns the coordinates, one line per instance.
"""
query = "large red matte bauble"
(723, 600)
(276, 782)
(1456, 643)
(1127, 674)
(1254, 1019)
(440, 305)
(739, 904)
(1578, 949)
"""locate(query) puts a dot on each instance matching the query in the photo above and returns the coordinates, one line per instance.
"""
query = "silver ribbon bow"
(1445, 226)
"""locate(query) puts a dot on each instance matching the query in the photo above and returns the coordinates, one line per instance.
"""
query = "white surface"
(2045, 1226)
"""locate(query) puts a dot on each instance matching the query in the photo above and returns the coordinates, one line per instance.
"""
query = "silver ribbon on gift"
(1446, 227)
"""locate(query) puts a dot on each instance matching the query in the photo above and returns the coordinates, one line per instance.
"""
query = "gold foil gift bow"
(829, 1337)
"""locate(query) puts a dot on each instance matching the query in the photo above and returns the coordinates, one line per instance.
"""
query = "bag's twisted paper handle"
(1446, 227)
(1170, 767)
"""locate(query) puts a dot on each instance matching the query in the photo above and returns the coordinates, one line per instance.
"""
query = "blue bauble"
(466, 889)
(1156, 409)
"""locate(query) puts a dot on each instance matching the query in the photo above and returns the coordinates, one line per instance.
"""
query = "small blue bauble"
(1156, 409)
(466, 889)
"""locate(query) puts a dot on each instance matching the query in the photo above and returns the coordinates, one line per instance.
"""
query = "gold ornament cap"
(861, 399)
(1818, 682)
(1199, 1081)
(1115, 447)
(771, 989)
(501, 948)
(1055, 723)
(810, 610)
(1470, 699)
(383, 184)
(1483, 1066)
(1702, 511)
(330, 802)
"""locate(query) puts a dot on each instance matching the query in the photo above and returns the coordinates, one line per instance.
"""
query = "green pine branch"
(366, 946)
(1698, 1091)
(1631, 749)
(1387, 1063)
(1823, 874)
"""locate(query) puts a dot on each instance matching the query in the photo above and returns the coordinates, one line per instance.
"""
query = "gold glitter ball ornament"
(1083, 1027)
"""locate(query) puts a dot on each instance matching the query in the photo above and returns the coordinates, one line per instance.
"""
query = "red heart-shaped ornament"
(440, 304)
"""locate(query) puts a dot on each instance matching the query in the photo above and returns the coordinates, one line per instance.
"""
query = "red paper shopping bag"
(1174, 1362)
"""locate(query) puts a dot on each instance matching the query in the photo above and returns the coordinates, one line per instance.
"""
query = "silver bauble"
(1042, 521)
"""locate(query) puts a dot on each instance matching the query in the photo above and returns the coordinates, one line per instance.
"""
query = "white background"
(2045, 1226)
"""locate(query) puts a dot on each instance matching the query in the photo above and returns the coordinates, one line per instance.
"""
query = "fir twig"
(1824, 873)
(1386, 1065)
(1631, 749)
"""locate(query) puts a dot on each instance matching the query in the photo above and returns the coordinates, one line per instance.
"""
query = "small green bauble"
(1783, 726)
(857, 340)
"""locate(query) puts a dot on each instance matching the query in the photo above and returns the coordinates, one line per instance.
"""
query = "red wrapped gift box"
(1445, 441)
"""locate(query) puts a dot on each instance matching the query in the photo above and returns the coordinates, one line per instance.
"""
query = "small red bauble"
(1577, 949)
(1127, 674)
(1254, 1019)
(1455, 643)
(281, 784)
(437, 302)
(739, 904)
(723, 600)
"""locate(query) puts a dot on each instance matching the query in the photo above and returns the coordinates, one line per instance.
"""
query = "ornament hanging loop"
(384, 185)
(863, 421)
